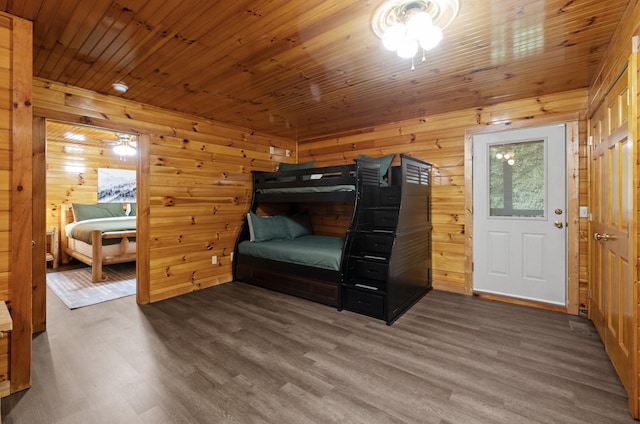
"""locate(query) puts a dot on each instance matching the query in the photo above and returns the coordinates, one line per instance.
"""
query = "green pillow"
(293, 167)
(384, 161)
(84, 211)
(265, 228)
(297, 226)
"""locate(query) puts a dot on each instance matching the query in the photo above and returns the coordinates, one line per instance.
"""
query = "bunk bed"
(358, 272)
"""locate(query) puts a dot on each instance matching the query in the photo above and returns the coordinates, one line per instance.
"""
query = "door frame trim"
(573, 192)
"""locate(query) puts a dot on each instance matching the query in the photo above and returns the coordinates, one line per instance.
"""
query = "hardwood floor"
(240, 354)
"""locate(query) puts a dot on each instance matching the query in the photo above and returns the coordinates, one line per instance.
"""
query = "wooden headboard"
(67, 215)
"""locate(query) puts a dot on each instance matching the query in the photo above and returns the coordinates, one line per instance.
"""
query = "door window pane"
(516, 179)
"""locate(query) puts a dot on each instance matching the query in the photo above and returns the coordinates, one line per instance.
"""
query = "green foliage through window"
(516, 175)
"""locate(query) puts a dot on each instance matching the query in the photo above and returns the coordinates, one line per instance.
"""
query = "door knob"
(603, 236)
(558, 224)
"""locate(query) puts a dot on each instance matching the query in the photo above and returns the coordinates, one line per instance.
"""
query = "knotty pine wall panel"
(16, 188)
(439, 139)
(194, 187)
(205, 206)
(5, 162)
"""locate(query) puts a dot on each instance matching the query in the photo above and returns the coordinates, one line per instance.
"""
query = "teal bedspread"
(82, 230)
(312, 250)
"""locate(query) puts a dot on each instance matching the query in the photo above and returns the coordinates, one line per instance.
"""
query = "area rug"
(75, 289)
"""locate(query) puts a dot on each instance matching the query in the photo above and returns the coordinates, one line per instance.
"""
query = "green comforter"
(83, 229)
(316, 251)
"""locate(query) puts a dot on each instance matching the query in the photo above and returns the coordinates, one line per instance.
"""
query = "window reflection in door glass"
(516, 179)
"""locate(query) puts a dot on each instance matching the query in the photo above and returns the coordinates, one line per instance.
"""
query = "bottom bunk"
(281, 253)
(316, 284)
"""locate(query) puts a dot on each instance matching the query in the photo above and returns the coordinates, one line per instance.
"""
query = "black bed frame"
(410, 214)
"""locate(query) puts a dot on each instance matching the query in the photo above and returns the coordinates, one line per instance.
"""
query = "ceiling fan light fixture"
(125, 146)
(407, 25)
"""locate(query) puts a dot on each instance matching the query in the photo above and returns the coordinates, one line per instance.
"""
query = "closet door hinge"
(590, 141)
(589, 294)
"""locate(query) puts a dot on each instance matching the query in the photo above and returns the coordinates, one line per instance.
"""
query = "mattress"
(312, 250)
(82, 230)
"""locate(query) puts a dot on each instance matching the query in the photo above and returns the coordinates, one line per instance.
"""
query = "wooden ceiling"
(88, 136)
(303, 69)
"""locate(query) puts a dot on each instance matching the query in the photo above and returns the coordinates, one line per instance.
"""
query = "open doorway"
(95, 169)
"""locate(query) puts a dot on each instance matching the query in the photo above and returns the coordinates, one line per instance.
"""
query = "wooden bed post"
(96, 260)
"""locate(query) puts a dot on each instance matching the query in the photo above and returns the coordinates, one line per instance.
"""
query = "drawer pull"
(364, 286)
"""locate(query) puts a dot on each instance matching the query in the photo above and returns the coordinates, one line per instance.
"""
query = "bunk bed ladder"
(386, 265)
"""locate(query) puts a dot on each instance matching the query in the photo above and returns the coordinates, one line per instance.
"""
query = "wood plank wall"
(439, 139)
(16, 190)
(5, 162)
(194, 183)
(5, 184)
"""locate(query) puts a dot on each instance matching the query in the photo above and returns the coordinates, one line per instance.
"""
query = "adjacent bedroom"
(90, 214)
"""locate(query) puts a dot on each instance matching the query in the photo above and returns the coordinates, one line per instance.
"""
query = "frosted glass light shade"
(431, 37)
(393, 37)
(408, 48)
(418, 24)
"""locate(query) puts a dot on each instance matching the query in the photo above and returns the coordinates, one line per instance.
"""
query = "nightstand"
(53, 251)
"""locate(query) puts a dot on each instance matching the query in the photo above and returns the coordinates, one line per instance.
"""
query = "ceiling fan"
(124, 145)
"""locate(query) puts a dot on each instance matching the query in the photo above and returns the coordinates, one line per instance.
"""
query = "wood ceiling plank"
(168, 30)
(75, 34)
(239, 67)
(135, 28)
(26, 9)
(304, 69)
(234, 44)
(51, 22)
(96, 26)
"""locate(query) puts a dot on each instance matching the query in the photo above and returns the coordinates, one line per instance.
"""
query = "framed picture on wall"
(116, 185)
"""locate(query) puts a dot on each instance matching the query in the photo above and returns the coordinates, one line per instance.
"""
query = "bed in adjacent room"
(99, 234)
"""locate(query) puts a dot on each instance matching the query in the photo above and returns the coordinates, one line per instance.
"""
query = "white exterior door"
(519, 214)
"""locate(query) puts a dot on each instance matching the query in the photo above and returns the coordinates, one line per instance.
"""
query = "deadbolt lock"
(558, 211)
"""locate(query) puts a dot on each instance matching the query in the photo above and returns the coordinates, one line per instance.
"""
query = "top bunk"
(323, 184)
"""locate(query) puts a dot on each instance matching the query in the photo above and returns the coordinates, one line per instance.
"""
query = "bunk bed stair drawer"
(378, 244)
(385, 219)
(372, 270)
(389, 196)
(363, 303)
